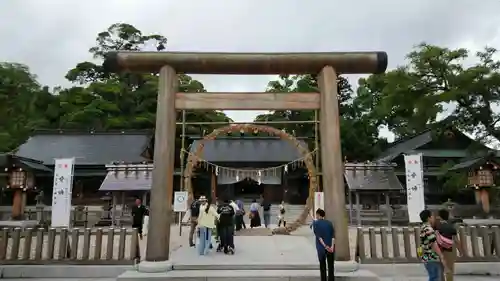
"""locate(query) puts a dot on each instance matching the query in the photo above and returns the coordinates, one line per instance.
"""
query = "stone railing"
(68, 246)
(399, 245)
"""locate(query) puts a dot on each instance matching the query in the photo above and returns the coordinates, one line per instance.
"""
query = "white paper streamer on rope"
(258, 173)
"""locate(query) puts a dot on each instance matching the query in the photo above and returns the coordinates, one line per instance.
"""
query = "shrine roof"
(371, 177)
(475, 161)
(88, 147)
(7, 159)
(441, 140)
(236, 150)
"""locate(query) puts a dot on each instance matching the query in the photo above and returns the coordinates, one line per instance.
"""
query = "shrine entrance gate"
(169, 64)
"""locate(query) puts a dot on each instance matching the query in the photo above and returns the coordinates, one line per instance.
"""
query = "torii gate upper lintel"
(169, 64)
(247, 63)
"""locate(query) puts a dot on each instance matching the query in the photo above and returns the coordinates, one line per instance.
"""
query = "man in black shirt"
(195, 212)
(138, 213)
(266, 208)
(226, 226)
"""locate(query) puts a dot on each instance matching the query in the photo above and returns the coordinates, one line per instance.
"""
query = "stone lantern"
(19, 181)
(481, 178)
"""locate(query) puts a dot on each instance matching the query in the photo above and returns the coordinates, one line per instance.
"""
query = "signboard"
(319, 201)
(61, 192)
(180, 201)
(414, 186)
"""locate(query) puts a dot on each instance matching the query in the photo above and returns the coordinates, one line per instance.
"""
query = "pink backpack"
(444, 242)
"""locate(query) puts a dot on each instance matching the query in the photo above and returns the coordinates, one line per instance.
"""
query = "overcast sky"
(51, 36)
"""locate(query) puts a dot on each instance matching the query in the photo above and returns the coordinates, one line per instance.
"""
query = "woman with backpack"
(448, 242)
(206, 222)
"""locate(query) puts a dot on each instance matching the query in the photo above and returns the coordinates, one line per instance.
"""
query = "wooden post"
(123, 206)
(17, 204)
(388, 208)
(114, 208)
(358, 209)
(24, 201)
(158, 244)
(349, 194)
(213, 187)
(331, 159)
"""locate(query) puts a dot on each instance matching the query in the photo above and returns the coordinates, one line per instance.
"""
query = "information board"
(180, 201)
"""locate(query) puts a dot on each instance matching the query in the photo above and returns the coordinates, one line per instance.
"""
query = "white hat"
(202, 198)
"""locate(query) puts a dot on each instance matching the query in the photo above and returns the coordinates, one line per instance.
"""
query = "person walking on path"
(226, 225)
(236, 210)
(195, 212)
(448, 241)
(429, 251)
(281, 215)
(266, 211)
(325, 245)
(206, 222)
(240, 215)
(139, 211)
(254, 214)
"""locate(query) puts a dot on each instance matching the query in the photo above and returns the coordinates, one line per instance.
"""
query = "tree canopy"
(437, 82)
(360, 136)
(96, 101)
(434, 83)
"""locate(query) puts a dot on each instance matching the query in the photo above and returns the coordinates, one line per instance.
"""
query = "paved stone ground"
(254, 250)
(457, 278)
(66, 279)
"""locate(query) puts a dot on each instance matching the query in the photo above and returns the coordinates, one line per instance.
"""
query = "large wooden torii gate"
(169, 64)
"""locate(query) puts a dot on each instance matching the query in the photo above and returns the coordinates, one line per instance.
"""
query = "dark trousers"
(218, 230)
(227, 236)
(137, 248)
(240, 223)
(267, 218)
(326, 264)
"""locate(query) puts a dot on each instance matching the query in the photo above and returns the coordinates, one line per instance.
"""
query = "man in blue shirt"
(325, 246)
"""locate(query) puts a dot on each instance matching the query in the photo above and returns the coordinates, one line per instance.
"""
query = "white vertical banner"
(62, 191)
(319, 201)
(414, 186)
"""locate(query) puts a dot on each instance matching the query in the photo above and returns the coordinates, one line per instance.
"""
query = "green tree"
(99, 100)
(438, 81)
(24, 105)
(359, 135)
(410, 98)
(124, 100)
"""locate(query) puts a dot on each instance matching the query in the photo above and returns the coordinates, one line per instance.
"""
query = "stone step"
(244, 275)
